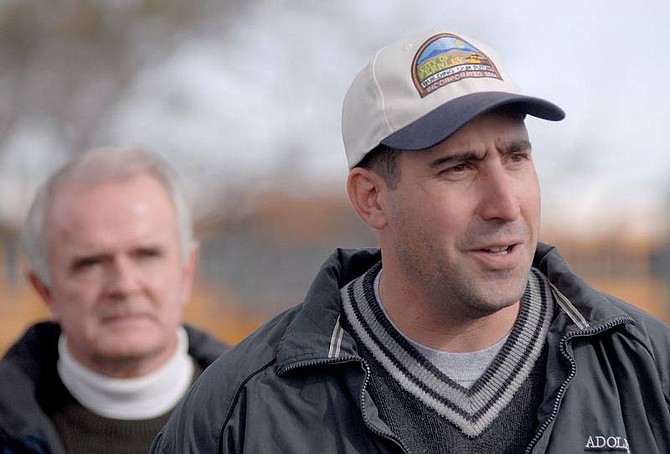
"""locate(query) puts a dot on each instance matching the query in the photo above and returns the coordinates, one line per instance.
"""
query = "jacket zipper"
(318, 362)
(573, 370)
(366, 419)
(345, 359)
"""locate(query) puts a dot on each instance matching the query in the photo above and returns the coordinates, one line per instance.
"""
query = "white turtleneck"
(130, 399)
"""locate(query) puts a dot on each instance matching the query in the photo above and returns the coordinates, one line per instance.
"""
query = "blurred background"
(244, 99)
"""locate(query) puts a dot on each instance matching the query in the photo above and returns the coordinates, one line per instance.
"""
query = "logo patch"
(447, 58)
(600, 443)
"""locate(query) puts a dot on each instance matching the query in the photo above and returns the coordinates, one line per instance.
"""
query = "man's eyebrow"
(457, 158)
(516, 146)
(80, 259)
(148, 249)
(472, 155)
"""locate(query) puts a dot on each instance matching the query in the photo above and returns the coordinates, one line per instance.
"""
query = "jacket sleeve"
(196, 423)
(209, 418)
(659, 334)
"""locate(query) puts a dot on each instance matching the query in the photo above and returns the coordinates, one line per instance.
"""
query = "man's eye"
(148, 253)
(85, 263)
(458, 168)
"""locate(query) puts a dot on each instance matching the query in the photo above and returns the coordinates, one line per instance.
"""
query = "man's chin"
(127, 324)
(130, 343)
(501, 296)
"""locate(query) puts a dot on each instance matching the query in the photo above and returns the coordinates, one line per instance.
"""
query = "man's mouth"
(500, 250)
(120, 313)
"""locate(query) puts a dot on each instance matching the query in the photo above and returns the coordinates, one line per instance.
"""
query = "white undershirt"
(130, 399)
(463, 368)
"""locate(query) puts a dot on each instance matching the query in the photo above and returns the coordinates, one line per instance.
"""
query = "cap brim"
(442, 122)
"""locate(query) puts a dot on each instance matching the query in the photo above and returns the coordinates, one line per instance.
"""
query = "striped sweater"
(429, 411)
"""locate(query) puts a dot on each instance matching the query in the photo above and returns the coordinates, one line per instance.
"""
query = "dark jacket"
(29, 367)
(286, 388)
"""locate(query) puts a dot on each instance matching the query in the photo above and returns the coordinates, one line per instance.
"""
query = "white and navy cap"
(417, 92)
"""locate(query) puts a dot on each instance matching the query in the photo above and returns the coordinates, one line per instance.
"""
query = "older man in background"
(110, 242)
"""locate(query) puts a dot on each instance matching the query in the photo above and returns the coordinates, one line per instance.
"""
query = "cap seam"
(378, 87)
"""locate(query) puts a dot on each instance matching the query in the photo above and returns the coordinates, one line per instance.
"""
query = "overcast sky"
(269, 95)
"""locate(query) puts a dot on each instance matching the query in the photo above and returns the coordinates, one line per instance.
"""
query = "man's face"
(118, 281)
(464, 219)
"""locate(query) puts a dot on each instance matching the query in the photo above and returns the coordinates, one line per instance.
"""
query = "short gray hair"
(96, 167)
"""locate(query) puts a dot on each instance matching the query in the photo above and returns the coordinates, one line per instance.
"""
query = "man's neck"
(135, 398)
(128, 366)
(439, 326)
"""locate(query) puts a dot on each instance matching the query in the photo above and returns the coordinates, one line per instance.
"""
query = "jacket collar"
(312, 334)
(587, 308)
(315, 337)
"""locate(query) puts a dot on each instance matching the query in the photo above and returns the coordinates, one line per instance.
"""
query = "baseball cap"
(417, 92)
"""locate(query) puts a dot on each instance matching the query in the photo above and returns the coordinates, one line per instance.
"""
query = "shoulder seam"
(237, 395)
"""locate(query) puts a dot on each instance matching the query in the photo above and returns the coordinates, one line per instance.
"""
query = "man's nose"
(499, 198)
(123, 277)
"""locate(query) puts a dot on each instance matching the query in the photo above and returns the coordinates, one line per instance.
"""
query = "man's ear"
(44, 291)
(365, 189)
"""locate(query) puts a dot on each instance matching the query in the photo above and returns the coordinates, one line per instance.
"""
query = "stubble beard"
(451, 292)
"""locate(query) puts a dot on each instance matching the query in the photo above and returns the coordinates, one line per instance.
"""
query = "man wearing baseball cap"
(462, 333)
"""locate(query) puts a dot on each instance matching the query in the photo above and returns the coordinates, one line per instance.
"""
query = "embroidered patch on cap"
(447, 58)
